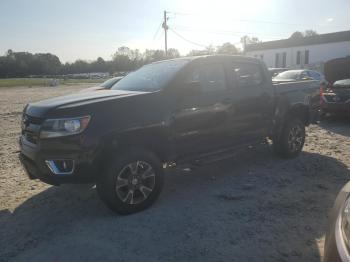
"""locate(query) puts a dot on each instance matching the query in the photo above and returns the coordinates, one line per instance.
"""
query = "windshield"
(108, 83)
(151, 77)
(275, 71)
(293, 75)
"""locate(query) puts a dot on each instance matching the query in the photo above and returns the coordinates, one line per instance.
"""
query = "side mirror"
(191, 88)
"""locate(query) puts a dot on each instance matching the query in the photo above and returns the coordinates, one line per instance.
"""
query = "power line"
(266, 22)
(187, 40)
(179, 13)
(222, 32)
(166, 27)
(242, 20)
(157, 31)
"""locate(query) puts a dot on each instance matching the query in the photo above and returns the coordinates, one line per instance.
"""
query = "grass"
(81, 81)
(12, 82)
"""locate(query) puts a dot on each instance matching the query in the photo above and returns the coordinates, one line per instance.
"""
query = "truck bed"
(295, 92)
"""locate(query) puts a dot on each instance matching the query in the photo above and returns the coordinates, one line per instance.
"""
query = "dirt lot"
(253, 207)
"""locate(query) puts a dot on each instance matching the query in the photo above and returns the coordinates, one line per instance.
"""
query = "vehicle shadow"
(337, 124)
(252, 207)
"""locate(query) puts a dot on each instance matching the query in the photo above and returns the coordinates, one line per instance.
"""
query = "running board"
(209, 158)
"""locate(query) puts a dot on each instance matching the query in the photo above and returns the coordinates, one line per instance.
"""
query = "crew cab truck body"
(164, 112)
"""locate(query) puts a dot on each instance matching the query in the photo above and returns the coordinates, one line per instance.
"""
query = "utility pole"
(244, 44)
(165, 26)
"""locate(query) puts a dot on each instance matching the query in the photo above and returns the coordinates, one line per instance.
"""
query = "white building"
(307, 52)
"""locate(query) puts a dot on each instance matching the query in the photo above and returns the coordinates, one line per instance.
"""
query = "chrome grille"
(31, 128)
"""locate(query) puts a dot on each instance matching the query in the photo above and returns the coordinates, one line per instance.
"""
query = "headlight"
(64, 126)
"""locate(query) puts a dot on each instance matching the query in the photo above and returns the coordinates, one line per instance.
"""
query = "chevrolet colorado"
(166, 112)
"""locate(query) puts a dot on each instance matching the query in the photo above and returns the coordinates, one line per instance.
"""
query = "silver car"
(298, 75)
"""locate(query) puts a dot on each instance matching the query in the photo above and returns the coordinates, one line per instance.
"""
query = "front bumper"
(35, 158)
(335, 108)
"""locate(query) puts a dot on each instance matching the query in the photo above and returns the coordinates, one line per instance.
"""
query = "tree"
(296, 35)
(124, 51)
(121, 63)
(307, 33)
(173, 53)
(153, 55)
(79, 66)
(20, 64)
(310, 32)
(209, 50)
(227, 49)
(195, 52)
(247, 40)
(99, 65)
(9, 52)
(47, 64)
(126, 59)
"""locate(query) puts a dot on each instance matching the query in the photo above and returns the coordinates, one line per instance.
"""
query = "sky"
(81, 29)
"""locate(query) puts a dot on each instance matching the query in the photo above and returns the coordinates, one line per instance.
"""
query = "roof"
(296, 70)
(309, 40)
(218, 56)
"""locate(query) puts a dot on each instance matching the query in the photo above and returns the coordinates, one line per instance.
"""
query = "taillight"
(322, 88)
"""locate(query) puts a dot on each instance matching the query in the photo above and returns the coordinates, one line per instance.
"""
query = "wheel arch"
(151, 141)
(300, 111)
(284, 113)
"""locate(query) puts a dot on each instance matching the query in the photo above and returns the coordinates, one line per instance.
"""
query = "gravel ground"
(253, 207)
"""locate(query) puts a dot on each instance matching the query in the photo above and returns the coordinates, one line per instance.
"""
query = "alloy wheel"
(135, 182)
(295, 138)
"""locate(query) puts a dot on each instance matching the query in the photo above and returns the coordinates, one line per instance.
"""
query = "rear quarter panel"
(301, 95)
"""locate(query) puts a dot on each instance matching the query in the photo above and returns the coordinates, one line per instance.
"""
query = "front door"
(252, 102)
(200, 119)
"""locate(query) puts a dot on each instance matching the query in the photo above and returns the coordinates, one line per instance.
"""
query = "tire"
(291, 140)
(132, 182)
(323, 115)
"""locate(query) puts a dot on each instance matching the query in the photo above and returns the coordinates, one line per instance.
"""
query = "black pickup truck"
(166, 112)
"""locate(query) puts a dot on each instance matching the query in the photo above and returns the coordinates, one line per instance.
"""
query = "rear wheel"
(323, 115)
(132, 182)
(291, 140)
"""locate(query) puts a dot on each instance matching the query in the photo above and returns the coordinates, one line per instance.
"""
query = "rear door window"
(211, 77)
(315, 75)
(248, 74)
(303, 75)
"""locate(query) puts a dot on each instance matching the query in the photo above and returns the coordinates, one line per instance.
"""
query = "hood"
(39, 109)
(337, 69)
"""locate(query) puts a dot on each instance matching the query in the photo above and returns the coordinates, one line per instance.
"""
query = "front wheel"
(291, 140)
(132, 182)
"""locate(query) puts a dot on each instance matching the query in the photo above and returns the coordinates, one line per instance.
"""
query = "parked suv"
(170, 111)
(335, 98)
